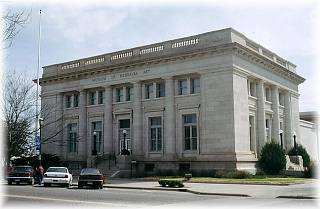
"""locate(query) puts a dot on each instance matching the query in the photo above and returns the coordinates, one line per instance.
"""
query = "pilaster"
(261, 119)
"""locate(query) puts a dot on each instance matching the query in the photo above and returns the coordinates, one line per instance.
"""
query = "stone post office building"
(199, 103)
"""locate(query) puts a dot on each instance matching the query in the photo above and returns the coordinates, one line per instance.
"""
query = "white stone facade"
(198, 103)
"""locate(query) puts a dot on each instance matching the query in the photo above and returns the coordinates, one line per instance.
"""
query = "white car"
(57, 175)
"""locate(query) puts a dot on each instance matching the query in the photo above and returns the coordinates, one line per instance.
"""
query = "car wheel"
(101, 186)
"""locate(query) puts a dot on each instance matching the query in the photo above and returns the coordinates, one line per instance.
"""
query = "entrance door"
(124, 135)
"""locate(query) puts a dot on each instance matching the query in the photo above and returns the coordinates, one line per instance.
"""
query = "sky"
(79, 29)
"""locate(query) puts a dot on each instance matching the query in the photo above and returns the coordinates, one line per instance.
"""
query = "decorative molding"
(232, 48)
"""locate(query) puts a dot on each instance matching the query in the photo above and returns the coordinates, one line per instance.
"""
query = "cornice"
(233, 48)
(266, 63)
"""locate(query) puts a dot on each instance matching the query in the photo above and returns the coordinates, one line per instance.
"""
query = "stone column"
(170, 119)
(288, 138)
(108, 129)
(137, 142)
(261, 119)
(275, 120)
(84, 141)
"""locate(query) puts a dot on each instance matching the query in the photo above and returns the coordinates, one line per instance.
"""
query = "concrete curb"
(178, 190)
(296, 197)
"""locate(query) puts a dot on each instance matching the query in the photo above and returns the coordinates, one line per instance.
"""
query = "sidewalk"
(308, 190)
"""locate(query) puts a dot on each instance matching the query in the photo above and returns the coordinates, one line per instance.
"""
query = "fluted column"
(170, 119)
(137, 120)
(261, 119)
(84, 141)
(275, 120)
(108, 128)
(288, 138)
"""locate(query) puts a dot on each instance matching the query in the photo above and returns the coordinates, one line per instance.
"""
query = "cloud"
(79, 24)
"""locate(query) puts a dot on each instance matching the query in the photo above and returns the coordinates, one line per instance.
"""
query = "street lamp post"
(124, 151)
(94, 151)
(124, 139)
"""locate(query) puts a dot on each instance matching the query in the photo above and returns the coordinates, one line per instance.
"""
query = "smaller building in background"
(309, 130)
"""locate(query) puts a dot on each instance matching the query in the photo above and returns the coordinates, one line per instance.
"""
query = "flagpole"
(38, 139)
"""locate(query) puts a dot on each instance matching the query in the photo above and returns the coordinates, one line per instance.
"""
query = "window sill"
(186, 95)
(155, 152)
(95, 105)
(71, 108)
(190, 152)
(124, 102)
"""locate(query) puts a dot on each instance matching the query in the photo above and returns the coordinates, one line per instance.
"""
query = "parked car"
(21, 174)
(57, 175)
(90, 177)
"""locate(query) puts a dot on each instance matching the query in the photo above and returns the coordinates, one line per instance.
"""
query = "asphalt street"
(21, 195)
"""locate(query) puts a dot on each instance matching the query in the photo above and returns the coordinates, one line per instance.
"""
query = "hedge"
(171, 183)
(303, 153)
(272, 159)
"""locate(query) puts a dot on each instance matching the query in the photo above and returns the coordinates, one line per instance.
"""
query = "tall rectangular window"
(149, 90)
(76, 100)
(190, 132)
(129, 93)
(72, 137)
(268, 94)
(100, 97)
(68, 101)
(195, 85)
(160, 87)
(96, 137)
(252, 88)
(92, 98)
(155, 134)
(281, 99)
(268, 129)
(183, 87)
(119, 94)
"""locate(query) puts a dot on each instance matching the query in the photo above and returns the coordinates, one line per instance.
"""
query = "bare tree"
(13, 24)
(19, 112)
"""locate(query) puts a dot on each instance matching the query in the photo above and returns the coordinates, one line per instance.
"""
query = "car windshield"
(57, 170)
(89, 171)
(22, 169)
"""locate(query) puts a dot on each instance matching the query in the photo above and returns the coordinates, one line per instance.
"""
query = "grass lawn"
(252, 180)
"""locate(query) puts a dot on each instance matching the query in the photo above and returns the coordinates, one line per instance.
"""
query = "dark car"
(90, 177)
(21, 174)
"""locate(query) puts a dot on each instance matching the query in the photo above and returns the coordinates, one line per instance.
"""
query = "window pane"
(183, 87)
(129, 93)
(76, 100)
(192, 118)
(195, 85)
(100, 97)
(68, 101)
(124, 123)
(194, 131)
(149, 90)
(160, 90)
(155, 121)
(159, 130)
(194, 143)
(119, 92)
(153, 133)
(153, 145)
